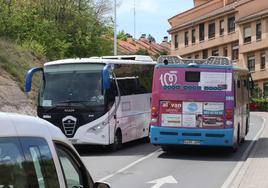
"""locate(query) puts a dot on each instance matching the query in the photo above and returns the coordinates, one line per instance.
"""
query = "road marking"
(229, 181)
(130, 165)
(161, 181)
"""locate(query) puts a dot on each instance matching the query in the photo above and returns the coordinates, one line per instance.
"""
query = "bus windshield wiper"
(61, 103)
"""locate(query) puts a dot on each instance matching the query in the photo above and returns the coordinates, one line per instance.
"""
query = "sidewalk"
(254, 171)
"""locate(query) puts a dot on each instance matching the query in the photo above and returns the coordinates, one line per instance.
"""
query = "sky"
(151, 16)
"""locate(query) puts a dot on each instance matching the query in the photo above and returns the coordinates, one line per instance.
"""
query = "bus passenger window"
(191, 76)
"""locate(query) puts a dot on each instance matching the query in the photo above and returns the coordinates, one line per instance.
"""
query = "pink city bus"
(199, 102)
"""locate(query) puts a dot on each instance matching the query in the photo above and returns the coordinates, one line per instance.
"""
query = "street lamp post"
(115, 32)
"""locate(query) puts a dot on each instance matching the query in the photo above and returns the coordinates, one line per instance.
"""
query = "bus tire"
(247, 126)
(117, 141)
(167, 149)
(236, 144)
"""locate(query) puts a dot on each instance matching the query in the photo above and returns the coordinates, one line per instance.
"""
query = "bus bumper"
(182, 136)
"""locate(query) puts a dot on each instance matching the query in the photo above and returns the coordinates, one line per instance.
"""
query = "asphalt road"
(142, 165)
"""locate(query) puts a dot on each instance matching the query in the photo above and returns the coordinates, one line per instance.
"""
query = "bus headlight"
(97, 128)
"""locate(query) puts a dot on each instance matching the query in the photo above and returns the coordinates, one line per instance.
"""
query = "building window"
(215, 52)
(225, 51)
(193, 36)
(247, 34)
(221, 27)
(205, 54)
(231, 24)
(211, 30)
(196, 56)
(258, 31)
(265, 89)
(176, 42)
(235, 51)
(201, 32)
(263, 66)
(251, 62)
(186, 38)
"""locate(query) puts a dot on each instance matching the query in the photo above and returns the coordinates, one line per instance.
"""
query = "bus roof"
(230, 67)
(106, 60)
(212, 62)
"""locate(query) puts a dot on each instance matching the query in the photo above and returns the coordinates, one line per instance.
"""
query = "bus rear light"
(154, 115)
(154, 112)
(229, 114)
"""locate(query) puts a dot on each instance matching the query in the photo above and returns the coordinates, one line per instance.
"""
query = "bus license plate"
(192, 142)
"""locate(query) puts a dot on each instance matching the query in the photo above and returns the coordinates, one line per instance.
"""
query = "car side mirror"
(101, 185)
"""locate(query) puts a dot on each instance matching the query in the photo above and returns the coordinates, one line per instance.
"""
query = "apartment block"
(237, 29)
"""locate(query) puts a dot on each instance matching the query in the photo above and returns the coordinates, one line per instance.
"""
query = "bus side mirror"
(29, 78)
(106, 77)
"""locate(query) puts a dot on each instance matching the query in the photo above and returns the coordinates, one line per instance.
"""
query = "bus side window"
(127, 86)
(140, 88)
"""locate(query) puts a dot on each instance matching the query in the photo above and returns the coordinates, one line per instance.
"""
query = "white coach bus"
(100, 101)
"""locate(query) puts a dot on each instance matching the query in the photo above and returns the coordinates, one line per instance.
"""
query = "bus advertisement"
(99, 101)
(199, 102)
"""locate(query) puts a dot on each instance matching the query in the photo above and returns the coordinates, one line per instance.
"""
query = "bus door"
(126, 114)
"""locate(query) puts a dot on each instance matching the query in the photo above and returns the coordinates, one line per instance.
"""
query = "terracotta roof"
(131, 46)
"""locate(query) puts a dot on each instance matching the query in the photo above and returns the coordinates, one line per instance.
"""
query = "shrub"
(259, 104)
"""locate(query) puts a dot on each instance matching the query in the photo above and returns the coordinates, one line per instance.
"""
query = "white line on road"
(243, 159)
(129, 166)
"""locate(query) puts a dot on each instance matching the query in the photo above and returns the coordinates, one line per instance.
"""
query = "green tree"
(58, 28)
(142, 51)
(122, 35)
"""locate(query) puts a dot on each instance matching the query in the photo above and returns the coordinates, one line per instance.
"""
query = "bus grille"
(69, 125)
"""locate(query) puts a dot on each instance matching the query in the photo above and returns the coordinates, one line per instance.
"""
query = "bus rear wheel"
(167, 149)
(236, 144)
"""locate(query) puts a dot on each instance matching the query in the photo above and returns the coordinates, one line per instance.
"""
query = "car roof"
(15, 125)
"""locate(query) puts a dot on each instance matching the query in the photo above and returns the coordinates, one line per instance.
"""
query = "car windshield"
(74, 84)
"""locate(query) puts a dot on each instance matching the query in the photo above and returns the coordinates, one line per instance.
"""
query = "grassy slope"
(16, 61)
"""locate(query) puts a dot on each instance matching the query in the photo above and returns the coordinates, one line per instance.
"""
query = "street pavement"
(254, 172)
(141, 164)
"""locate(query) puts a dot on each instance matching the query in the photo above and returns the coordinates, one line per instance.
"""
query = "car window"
(26, 162)
(74, 172)
(40, 165)
(12, 169)
(37, 166)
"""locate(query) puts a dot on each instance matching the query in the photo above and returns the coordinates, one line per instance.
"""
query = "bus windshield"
(72, 84)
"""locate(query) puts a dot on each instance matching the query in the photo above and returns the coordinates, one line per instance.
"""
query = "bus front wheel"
(117, 141)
